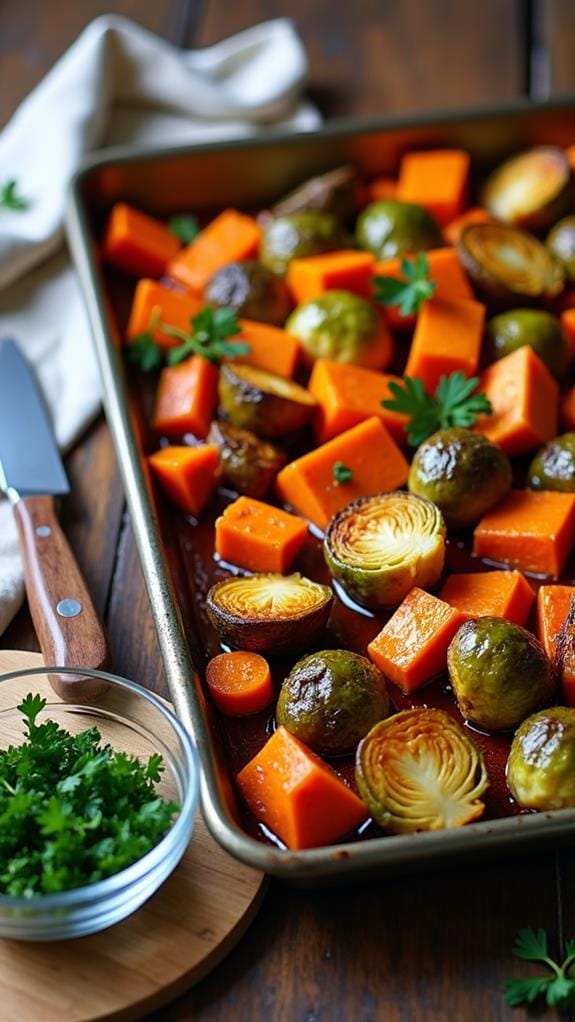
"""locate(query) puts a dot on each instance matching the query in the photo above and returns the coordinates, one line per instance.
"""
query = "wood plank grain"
(554, 34)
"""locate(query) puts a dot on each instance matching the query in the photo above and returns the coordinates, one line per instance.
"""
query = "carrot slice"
(298, 796)
(505, 594)
(529, 530)
(231, 236)
(175, 309)
(445, 271)
(259, 537)
(186, 398)
(524, 397)
(474, 215)
(436, 179)
(138, 243)
(333, 271)
(240, 683)
(447, 337)
(553, 604)
(271, 348)
(412, 647)
(187, 474)
(347, 395)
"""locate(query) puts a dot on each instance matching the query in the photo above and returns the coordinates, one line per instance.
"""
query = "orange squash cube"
(504, 594)
(259, 537)
(349, 394)
(447, 338)
(175, 310)
(272, 348)
(231, 236)
(532, 531)
(445, 271)
(186, 398)
(187, 474)
(138, 243)
(524, 397)
(332, 271)
(437, 179)
(553, 606)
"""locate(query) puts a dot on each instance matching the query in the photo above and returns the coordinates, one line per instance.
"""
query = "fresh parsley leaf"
(210, 330)
(558, 988)
(186, 228)
(10, 199)
(453, 404)
(144, 352)
(30, 707)
(408, 293)
(341, 473)
(524, 991)
(531, 945)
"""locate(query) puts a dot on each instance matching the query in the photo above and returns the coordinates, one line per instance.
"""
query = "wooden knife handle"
(67, 624)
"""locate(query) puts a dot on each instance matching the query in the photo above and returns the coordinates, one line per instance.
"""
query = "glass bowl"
(132, 720)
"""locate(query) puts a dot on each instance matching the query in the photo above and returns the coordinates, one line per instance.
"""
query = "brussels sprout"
(561, 244)
(462, 472)
(269, 405)
(379, 547)
(331, 699)
(531, 189)
(269, 613)
(252, 290)
(419, 770)
(249, 465)
(553, 468)
(535, 327)
(306, 233)
(507, 266)
(390, 228)
(334, 192)
(499, 672)
(541, 764)
(343, 327)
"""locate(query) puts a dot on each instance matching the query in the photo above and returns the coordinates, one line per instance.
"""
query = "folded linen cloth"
(118, 83)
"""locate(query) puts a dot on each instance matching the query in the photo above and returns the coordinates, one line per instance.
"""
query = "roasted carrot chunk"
(524, 397)
(186, 399)
(436, 179)
(568, 326)
(446, 273)
(138, 243)
(271, 348)
(240, 683)
(412, 647)
(175, 309)
(447, 337)
(381, 188)
(474, 215)
(231, 236)
(334, 271)
(531, 531)
(310, 484)
(187, 474)
(568, 409)
(347, 395)
(553, 604)
(298, 796)
(259, 537)
(505, 594)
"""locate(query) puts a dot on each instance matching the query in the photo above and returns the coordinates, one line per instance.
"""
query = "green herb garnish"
(9, 198)
(208, 337)
(453, 404)
(143, 350)
(186, 228)
(558, 989)
(341, 473)
(73, 811)
(410, 293)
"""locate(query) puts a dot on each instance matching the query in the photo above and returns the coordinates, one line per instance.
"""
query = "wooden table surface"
(428, 947)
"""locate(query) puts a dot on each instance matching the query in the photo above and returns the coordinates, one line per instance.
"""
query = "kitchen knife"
(32, 475)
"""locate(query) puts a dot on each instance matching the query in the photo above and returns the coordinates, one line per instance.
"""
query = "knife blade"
(32, 475)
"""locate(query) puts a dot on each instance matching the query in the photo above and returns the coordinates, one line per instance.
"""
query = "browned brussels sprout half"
(541, 764)
(247, 464)
(269, 405)
(269, 613)
(534, 327)
(252, 290)
(334, 192)
(530, 190)
(340, 326)
(508, 267)
(553, 468)
(561, 244)
(331, 699)
(419, 770)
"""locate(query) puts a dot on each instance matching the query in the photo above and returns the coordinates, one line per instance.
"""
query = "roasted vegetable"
(379, 547)
(232, 236)
(419, 770)
(508, 267)
(269, 405)
(541, 764)
(343, 327)
(334, 192)
(331, 699)
(269, 613)
(531, 189)
(305, 233)
(523, 396)
(534, 327)
(553, 468)
(248, 465)
(531, 531)
(499, 673)
(390, 228)
(561, 244)
(258, 537)
(462, 472)
(240, 683)
(252, 290)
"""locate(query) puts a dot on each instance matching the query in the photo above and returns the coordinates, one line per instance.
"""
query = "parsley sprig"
(341, 473)
(209, 336)
(186, 228)
(408, 293)
(10, 199)
(558, 988)
(453, 404)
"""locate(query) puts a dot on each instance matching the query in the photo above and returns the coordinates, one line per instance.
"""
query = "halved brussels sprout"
(379, 547)
(247, 464)
(534, 327)
(390, 228)
(308, 232)
(499, 673)
(561, 244)
(541, 764)
(531, 189)
(331, 699)
(269, 405)
(269, 613)
(343, 327)
(553, 468)
(252, 290)
(419, 770)
(334, 192)
(507, 266)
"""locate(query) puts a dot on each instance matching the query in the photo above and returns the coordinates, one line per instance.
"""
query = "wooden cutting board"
(149, 959)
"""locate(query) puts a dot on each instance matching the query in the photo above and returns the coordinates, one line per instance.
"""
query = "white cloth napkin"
(118, 83)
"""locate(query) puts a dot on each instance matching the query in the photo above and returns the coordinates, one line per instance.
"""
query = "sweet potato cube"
(553, 606)
(436, 179)
(532, 531)
(259, 537)
(524, 397)
(412, 647)
(186, 398)
(298, 796)
(271, 348)
(187, 474)
(333, 271)
(504, 594)
(447, 338)
(138, 243)
(175, 310)
(445, 271)
(231, 236)
(349, 394)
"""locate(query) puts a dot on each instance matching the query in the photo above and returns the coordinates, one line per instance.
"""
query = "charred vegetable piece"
(269, 613)
(269, 405)
(499, 672)
(305, 233)
(334, 192)
(379, 547)
(248, 465)
(534, 327)
(553, 468)
(343, 327)
(462, 472)
(331, 699)
(561, 244)
(508, 267)
(531, 189)
(389, 228)
(419, 770)
(541, 764)
(564, 655)
(252, 290)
